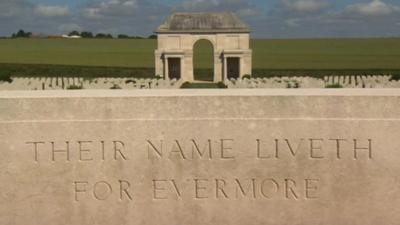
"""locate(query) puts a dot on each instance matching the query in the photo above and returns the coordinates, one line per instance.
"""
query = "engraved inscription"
(103, 190)
(236, 188)
(201, 189)
(191, 150)
(83, 151)
(314, 148)
(213, 152)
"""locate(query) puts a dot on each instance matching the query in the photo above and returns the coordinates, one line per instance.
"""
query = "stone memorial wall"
(262, 157)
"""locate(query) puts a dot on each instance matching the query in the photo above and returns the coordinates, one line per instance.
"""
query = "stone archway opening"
(233, 67)
(203, 60)
(174, 68)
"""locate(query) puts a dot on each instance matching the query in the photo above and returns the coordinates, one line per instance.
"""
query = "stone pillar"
(166, 69)
(183, 66)
(246, 63)
(218, 67)
(242, 67)
(187, 72)
(225, 72)
(159, 63)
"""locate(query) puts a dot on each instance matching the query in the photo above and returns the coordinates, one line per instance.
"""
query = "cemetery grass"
(135, 58)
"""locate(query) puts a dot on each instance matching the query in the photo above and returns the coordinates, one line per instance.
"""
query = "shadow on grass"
(188, 85)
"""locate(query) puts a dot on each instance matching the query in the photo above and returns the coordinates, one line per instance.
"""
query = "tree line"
(86, 34)
(21, 34)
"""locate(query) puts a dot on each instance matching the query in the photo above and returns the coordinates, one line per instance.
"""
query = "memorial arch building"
(229, 36)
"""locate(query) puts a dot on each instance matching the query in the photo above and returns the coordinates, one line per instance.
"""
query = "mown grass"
(38, 70)
(103, 57)
(188, 85)
(327, 54)
(84, 52)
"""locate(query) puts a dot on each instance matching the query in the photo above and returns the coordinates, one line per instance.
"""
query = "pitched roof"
(203, 23)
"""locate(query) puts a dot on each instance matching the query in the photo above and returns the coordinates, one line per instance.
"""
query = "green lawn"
(327, 54)
(85, 52)
(268, 55)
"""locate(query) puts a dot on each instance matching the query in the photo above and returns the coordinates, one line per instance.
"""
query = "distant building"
(229, 36)
(71, 37)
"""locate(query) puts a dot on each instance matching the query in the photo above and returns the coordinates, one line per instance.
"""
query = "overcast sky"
(267, 18)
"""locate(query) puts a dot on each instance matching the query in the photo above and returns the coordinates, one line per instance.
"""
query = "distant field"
(85, 52)
(285, 55)
(327, 54)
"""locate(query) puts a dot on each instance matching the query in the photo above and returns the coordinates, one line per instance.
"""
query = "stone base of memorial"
(264, 157)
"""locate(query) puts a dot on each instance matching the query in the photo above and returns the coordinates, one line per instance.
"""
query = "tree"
(101, 35)
(22, 34)
(153, 36)
(123, 36)
(87, 34)
(74, 33)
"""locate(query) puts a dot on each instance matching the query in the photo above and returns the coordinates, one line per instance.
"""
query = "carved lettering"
(54, 151)
(177, 150)
(317, 148)
(219, 188)
(35, 148)
(80, 187)
(119, 146)
(259, 153)
(83, 150)
(157, 150)
(315, 145)
(198, 188)
(124, 187)
(290, 189)
(102, 190)
(196, 149)
(294, 151)
(269, 187)
(251, 190)
(190, 150)
(204, 188)
(157, 188)
(311, 188)
(224, 149)
(357, 148)
(103, 150)
(338, 146)
(178, 192)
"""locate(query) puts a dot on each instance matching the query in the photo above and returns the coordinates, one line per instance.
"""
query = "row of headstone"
(362, 81)
(374, 81)
(63, 83)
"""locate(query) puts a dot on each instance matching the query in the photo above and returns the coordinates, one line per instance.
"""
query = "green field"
(85, 52)
(116, 55)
